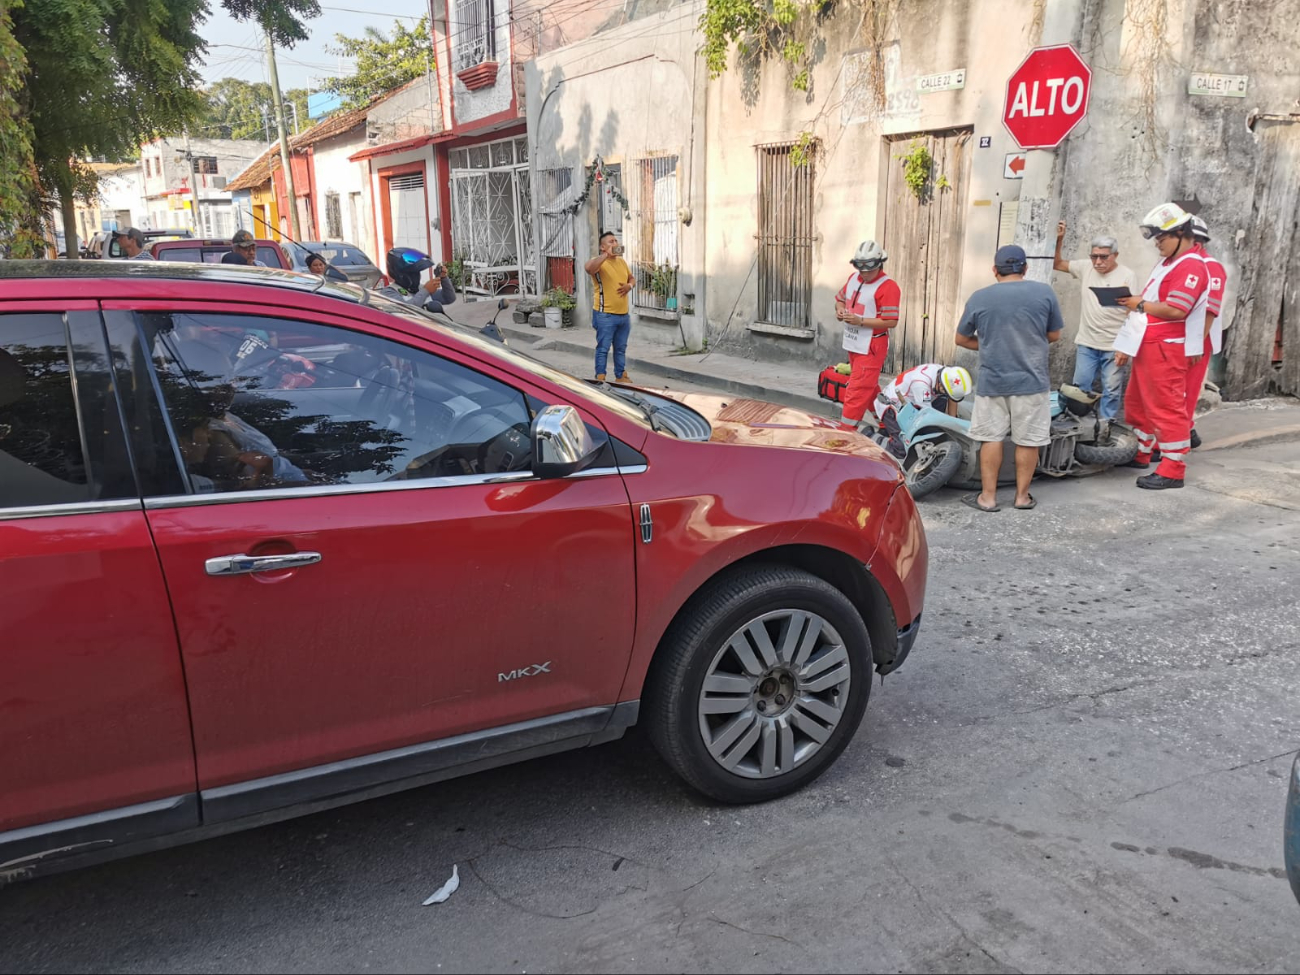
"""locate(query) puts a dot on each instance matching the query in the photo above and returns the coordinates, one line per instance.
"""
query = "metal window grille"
(556, 191)
(491, 221)
(785, 236)
(652, 243)
(476, 36)
(333, 217)
(205, 165)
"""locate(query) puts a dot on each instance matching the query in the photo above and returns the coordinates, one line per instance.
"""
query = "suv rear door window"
(54, 447)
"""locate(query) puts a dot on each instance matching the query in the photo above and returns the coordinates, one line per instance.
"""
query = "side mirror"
(562, 445)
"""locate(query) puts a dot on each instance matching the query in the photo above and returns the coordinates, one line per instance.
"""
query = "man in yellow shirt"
(611, 283)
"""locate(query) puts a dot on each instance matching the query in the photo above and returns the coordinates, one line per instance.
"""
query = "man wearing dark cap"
(243, 249)
(1011, 324)
(132, 243)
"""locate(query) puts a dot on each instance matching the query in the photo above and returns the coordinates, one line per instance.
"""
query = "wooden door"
(923, 236)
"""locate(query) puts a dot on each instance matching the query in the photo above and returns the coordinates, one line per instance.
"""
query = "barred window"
(785, 235)
(652, 239)
(475, 36)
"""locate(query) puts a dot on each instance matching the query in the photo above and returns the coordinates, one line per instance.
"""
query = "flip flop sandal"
(1033, 503)
(973, 501)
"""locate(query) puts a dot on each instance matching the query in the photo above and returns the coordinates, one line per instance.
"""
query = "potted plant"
(663, 283)
(558, 305)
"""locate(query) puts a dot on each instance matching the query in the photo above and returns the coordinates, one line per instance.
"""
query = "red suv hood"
(738, 420)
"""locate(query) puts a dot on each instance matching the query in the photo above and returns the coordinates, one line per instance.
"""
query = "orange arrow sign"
(1017, 165)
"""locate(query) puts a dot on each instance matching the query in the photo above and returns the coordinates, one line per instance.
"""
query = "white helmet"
(956, 382)
(1200, 229)
(869, 256)
(1164, 219)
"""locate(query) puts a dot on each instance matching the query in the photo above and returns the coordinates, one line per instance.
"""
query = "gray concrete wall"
(625, 94)
(1110, 171)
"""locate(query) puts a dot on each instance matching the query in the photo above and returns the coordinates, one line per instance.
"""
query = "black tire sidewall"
(942, 473)
(801, 591)
(1107, 456)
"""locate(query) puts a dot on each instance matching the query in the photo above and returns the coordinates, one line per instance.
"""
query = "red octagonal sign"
(1047, 96)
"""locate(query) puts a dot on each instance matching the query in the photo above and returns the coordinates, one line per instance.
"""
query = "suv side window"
(258, 402)
(57, 448)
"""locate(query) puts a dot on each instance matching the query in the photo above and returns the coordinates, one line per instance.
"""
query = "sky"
(238, 50)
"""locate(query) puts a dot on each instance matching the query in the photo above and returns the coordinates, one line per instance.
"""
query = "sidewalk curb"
(535, 338)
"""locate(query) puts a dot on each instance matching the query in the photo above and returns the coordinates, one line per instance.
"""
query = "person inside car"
(243, 250)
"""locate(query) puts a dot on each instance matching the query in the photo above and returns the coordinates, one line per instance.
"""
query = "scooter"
(938, 449)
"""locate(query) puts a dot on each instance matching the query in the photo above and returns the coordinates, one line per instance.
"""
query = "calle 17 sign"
(1047, 96)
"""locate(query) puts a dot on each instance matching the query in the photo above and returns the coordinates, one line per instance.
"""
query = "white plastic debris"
(446, 890)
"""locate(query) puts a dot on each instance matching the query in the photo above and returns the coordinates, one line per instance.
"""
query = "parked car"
(111, 248)
(269, 550)
(348, 259)
(94, 248)
(210, 250)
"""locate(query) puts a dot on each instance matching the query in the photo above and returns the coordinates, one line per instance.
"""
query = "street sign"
(1047, 96)
(1226, 85)
(1013, 167)
(944, 81)
(986, 141)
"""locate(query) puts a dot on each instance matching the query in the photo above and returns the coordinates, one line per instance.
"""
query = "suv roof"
(176, 271)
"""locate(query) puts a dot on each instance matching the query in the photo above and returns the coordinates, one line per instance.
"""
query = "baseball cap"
(1010, 259)
(131, 232)
(242, 238)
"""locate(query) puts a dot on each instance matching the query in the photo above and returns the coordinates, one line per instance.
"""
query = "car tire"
(701, 645)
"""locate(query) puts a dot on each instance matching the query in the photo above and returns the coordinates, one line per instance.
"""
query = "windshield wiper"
(648, 408)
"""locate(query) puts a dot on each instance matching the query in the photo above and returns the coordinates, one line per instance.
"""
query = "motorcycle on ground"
(938, 450)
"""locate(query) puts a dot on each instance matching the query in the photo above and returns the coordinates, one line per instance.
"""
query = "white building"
(179, 172)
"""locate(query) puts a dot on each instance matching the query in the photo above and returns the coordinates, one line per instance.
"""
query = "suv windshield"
(617, 404)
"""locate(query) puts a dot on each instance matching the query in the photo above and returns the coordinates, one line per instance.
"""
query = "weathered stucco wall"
(1110, 171)
(628, 93)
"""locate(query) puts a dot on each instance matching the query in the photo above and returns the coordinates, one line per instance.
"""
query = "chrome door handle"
(236, 565)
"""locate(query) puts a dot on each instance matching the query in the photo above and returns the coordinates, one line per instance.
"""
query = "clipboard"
(1107, 296)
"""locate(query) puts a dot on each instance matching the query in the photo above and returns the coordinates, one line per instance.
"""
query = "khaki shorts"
(1027, 418)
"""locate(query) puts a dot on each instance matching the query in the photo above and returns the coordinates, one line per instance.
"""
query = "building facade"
(793, 177)
(185, 183)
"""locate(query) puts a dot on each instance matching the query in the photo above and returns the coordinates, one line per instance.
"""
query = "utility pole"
(284, 138)
(194, 186)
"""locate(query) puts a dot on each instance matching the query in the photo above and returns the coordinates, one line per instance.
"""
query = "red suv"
(268, 545)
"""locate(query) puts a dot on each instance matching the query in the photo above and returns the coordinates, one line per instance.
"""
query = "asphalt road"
(1082, 767)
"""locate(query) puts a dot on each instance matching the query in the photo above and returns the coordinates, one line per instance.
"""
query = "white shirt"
(917, 386)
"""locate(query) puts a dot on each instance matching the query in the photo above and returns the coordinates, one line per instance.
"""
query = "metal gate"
(491, 217)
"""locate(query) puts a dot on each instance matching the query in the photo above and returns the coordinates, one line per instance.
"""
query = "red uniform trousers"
(1195, 381)
(864, 379)
(1156, 404)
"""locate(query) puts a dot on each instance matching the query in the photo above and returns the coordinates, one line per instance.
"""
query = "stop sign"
(1047, 96)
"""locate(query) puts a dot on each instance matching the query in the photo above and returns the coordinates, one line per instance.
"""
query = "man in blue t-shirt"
(1011, 324)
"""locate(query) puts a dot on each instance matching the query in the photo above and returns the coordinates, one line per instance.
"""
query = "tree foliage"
(384, 61)
(238, 109)
(282, 19)
(95, 78)
(19, 197)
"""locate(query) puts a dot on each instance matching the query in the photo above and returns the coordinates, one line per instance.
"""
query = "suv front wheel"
(761, 682)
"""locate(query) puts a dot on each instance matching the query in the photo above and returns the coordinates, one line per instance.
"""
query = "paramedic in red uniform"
(1164, 337)
(1213, 330)
(868, 307)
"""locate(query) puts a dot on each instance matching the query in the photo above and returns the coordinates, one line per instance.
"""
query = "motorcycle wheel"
(931, 464)
(1121, 448)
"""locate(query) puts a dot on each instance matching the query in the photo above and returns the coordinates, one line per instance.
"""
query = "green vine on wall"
(918, 171)
(789, 31)
(801, 154)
